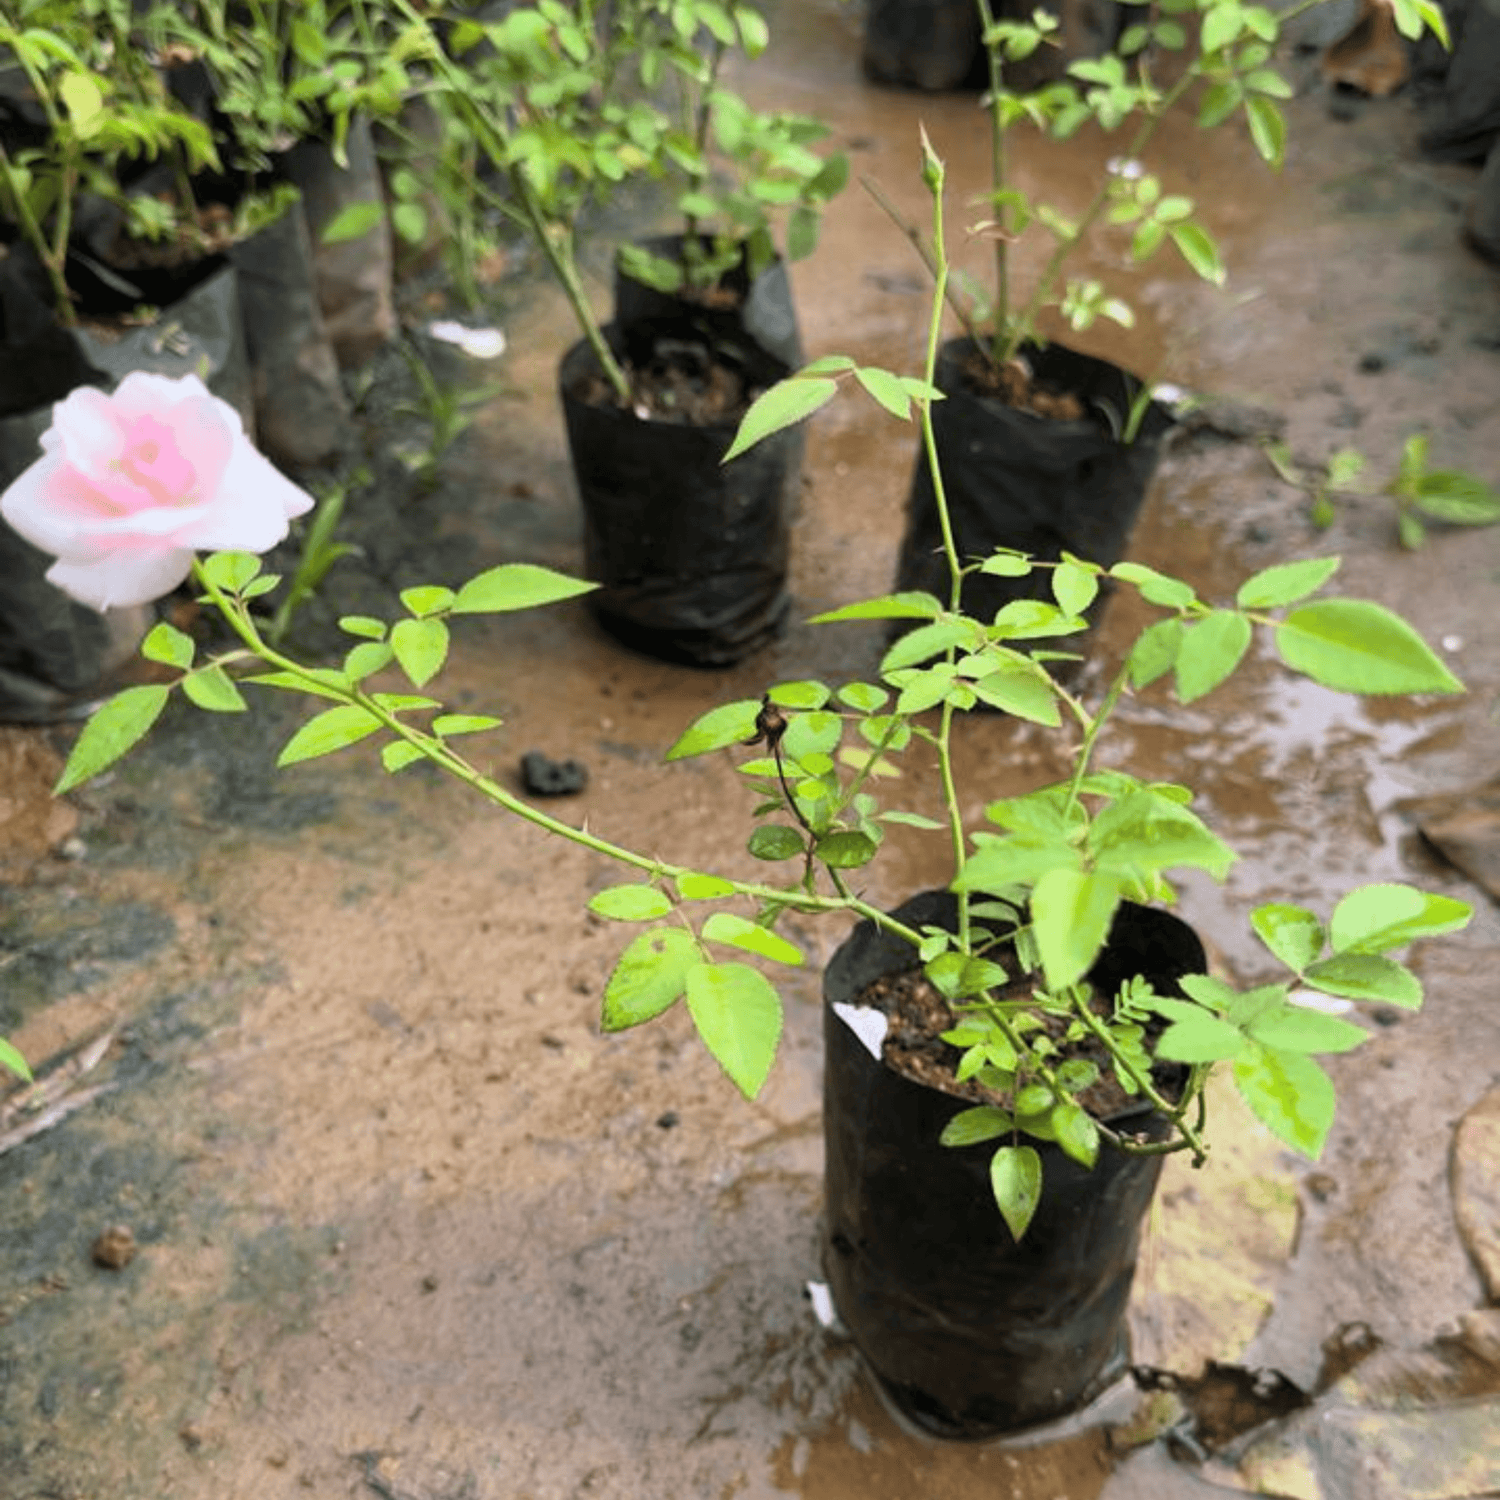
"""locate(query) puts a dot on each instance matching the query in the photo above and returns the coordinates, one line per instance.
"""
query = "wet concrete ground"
(409, 1227)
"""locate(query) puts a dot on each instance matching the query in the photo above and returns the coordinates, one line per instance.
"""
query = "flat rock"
(1476, 1187)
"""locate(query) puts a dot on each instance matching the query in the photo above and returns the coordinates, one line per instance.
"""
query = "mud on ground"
(408, 1226)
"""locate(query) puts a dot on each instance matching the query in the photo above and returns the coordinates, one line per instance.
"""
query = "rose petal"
(122, 578)
(251, 509)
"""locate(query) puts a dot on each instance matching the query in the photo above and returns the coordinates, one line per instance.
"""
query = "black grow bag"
(691, 553)
(970, 1333)
(1036, 484)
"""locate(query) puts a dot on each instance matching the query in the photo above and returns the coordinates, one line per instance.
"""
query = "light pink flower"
(129, 486)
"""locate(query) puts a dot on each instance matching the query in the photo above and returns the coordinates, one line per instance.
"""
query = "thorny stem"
(950, 548)
(442, 755)
(999, 172)
(955, 303)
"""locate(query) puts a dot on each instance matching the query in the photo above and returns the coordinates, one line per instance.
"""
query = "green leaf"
(1022, 693)
(1076, 1132)
(971, 1127)
(1155, 651)
(925, 642)
(845, 849)
(784, 405)
(1377, 918)
(1289, 1094)
(363, 625)
(922, 690)
(1073, 587)
(1001, 564)
(1357, 646)
(1144, 831)
(166, 644)
(84, 99)
(738, 932)
(1296, 1028)
(801, 695)
(427, 599)
(1222, 24)
(1154, 587)
(998, 864)
(906, 606)
(1293, 934)
(111, 730)
(1016, 1180)
(630, 903)
(1267, 129)
(1209, 652)
(1458, 498)
(1200, 1039)
(1198, 250)
(352, 222)
(213, 688)
(1286, 583)
(399, 754)
(366, 659)
(887, 389)
(863, 696)
(649, 977)
(514, 586)
(774, 841)
(1070, 914)
(230, 571)
(692, 886)
(728, 724)
(331, 730)
(12, 1059)
(421, 647)
(448, 724)
(1365, 976)
(738, 1015)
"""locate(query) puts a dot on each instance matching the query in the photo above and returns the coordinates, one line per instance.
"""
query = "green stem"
(36, 237)
(1177, 1113)
(1092, 727)
(558, 250)
(999, 178)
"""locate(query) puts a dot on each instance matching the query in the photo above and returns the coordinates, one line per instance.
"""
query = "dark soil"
(914, 1045)
(1015, 385)
(684, 382)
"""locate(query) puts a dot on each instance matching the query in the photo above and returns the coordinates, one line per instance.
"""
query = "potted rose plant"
(1047, 449)
(1063, 1025)
(692, 556)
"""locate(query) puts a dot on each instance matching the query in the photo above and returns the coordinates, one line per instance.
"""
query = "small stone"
(1372, 363)
(1320, 1186)
(429, 1283)
(668, 1120)
(115, 1248)
(543, 777)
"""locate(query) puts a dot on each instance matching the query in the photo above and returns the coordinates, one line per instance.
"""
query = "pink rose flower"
(129, 486)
